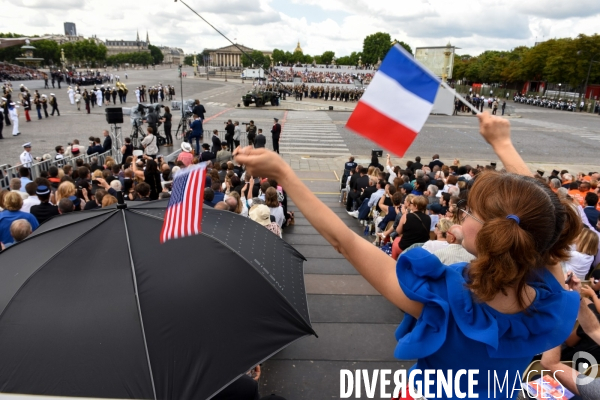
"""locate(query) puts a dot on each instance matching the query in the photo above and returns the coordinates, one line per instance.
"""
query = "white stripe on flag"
(388, 97)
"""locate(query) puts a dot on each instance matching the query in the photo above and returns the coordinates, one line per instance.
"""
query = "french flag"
(397, 102)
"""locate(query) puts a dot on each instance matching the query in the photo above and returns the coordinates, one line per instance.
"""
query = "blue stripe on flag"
(402, 67)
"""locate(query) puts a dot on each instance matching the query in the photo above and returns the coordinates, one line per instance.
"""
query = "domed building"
(298, 48)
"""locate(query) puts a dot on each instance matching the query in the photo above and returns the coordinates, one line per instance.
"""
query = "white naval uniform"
(14, 118)
(99, 98)
(137, 95)
(26, 159)
(71, 94)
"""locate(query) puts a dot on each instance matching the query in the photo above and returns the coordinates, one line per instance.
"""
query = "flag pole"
(461, 98)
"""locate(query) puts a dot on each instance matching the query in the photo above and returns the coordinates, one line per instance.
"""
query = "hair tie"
(514, 218)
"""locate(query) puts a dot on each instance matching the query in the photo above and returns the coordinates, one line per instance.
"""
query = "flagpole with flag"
(184, 212)
(397, 103)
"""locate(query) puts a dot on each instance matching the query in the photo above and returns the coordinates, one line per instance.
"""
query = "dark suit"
(95, 149)
(434, 163)
(260, 141)
(276, 131)
(199, 110)
(107, 145)
(362, 182)
(216, 144)
(592, 215)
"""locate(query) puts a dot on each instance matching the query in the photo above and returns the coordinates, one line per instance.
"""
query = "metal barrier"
(8, 172)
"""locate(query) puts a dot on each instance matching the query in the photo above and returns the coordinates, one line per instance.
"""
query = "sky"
(319, 25)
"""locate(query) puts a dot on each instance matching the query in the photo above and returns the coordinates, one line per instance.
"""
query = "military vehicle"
(261, 97)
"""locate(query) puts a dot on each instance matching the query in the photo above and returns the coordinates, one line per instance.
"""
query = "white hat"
(186, 147)
(52, 94)
(44, 96)
(28, 144)
(260, 214)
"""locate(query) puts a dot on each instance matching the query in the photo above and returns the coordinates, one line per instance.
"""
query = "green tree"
(279, 56)
(317, 60)
(375, 47)
(156, 54)
(405, 45)
(327, 57)
(260, 60)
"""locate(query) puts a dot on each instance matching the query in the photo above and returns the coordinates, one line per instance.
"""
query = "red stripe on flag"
(389, 134)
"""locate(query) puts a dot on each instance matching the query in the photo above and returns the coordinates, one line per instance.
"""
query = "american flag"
(184, 213)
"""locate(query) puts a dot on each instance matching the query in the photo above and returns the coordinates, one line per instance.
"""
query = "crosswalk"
(311, 133)
(211, 103)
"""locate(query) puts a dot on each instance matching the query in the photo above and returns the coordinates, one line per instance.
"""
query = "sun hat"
(186, 147)
(261, 214)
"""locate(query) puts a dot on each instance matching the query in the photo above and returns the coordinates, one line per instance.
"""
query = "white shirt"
(277, 212)
(26, 159)
(28, 202)
(435, 245)
(452, 254)
(579, 264)
(375, 197)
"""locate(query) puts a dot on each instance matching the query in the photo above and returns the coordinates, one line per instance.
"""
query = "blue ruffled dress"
(456, 332)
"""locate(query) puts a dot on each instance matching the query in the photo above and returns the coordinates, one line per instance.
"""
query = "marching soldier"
(44, 101)
(54, 104)
(38, 105)
(86, 98)
(113, 92)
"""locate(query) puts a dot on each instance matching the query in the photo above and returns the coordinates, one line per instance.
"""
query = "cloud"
(50, 5)
(557, 9)
(229, 7)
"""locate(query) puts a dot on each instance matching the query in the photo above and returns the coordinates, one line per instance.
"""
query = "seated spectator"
(15, 186)
(65, 206)
(65, 190)
(241, 207)
(108, 200)
(271, 200)
(45, 210)
(142, 190)
(441, 230)
(232, 203)
(19, 230)
(414, 226)
(221, 205)
(431, 194)
(186, 155)
(223, 155)
(32, 200)
(12, 206)
(591, 202)
(434, 213)
(394, 213)
(454, 252)
(260, 213)
(582, 253)
(24, 175)
(209, 196)
(218, 193)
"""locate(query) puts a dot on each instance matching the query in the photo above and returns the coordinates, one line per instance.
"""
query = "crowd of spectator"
(11, 72)
(424, 205)
(288, 75)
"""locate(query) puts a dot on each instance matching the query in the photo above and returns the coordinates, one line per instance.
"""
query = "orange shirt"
(576, 194)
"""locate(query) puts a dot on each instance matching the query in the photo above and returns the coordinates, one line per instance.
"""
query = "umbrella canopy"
(92, 305)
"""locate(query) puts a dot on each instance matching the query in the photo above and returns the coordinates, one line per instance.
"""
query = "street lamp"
(559, 90)
(587, 78)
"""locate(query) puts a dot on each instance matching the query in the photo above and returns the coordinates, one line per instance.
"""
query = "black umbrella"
(92, 305)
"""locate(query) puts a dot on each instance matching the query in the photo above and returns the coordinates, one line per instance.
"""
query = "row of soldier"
(155, 94)
(327, 93)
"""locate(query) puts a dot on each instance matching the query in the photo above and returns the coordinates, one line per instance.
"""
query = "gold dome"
(298, 48)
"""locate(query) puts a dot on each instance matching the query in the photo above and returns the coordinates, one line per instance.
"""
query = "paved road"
(541, 135)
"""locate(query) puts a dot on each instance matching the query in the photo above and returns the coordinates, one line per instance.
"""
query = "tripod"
(183, 126)
(117, 141)
(137, 135)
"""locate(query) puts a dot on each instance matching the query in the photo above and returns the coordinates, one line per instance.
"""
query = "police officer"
(26, 157)
(349, 166)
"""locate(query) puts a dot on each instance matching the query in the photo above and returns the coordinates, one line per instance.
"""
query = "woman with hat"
(262, 214)
(186, 156)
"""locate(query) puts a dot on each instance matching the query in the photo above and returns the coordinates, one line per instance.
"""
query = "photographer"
(95, 146)
(230, 129)
(152, 119)
(149, 143)
(251, 130)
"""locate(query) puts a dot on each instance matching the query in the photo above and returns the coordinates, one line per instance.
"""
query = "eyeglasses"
(470, 215)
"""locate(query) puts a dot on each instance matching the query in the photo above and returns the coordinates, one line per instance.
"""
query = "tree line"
(565, 61)
(84, 52)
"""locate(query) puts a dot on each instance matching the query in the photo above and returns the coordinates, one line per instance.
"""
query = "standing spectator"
(166, 120)
(216, 142)
(276, 132)
(127, 149)
(149, 143)
(435, 161)
(95, 147)
(260, 141)
(199, 110)
(230, 131)
(251, 132)
(107, 144)
(12, 206)
(24, 176)
(45, 210)
(237, 133)
(197, 132)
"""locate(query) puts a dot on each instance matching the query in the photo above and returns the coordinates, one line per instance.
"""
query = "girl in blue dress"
(492, 315)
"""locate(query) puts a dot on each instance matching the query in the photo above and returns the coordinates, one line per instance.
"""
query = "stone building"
(230, 56)
(127, 46)
(172, 55)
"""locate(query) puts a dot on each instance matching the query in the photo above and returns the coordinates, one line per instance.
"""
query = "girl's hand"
(495, 130)
(262, 162)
